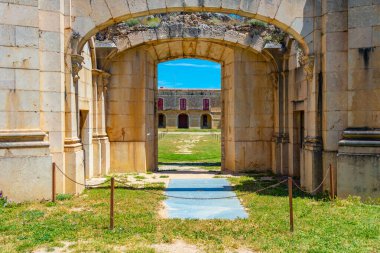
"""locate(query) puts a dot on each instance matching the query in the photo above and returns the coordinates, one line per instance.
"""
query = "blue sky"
(189, 74)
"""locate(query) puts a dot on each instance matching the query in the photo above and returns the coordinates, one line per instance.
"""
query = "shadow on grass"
(202, 164)
(281, 190)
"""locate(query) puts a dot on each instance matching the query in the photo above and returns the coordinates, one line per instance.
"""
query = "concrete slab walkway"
(229, 208)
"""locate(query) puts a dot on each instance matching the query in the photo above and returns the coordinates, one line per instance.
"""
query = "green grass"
(205, 149)
(320, 225)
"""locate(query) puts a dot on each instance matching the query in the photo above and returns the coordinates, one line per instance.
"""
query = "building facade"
(189, 108)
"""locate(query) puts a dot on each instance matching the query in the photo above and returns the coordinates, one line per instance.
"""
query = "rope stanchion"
(290, 190)
(332, 186)
(112, 202)
(53, 187)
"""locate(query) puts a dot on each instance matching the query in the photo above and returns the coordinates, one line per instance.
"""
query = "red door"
(183, 121)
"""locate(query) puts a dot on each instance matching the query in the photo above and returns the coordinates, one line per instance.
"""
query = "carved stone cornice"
(96, 72)
(76, 66)
(313, 143)
(276, 138)
(285, 138)
(308, 65)
(72, 144)
(106, 81)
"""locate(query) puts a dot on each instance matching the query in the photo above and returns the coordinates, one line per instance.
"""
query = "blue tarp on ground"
(203, 209)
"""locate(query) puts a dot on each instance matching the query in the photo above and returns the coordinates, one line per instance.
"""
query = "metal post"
(290, 189)
(332, 187)
(53, 188)
(112, 203)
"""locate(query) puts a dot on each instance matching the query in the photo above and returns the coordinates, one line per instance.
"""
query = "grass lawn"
(320, 225)
(190, 148)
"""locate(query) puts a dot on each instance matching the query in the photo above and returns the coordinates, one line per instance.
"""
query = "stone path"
(229, 208)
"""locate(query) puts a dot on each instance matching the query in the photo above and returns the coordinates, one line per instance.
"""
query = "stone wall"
(130, 112)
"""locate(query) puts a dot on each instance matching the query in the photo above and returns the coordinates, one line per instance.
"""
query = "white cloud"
(169, 84)
(191, 65)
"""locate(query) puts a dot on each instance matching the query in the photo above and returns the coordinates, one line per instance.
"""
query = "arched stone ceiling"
(295, 17)
(205, 33)
(203, 48)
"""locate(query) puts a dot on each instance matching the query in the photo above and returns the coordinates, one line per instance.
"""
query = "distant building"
(188, 108)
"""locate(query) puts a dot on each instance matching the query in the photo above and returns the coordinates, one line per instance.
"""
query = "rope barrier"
(177, 197)
(75, 182)
(228, 197)
(316, 189)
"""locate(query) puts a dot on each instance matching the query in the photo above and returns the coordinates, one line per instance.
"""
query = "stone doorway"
(161, 121)
(206, 121)
(183, 121)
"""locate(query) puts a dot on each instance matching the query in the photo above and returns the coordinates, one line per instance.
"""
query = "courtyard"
(189, 149)
(216, 120)
(81, 223)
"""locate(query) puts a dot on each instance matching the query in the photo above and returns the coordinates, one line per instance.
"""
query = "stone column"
(358, 168)
(284, 115)
(102, 134)
(334, 72)
(311, 167)
(278, 108)
(74, 156)
(97, 163)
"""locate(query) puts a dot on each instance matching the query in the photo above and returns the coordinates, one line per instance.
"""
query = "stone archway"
(183, 121)
(253, 115)
(295, 18)
(206, 121)
(161, 120)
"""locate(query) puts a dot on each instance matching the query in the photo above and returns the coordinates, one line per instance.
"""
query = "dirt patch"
(63, 249)
(177, 246)
(186, 146)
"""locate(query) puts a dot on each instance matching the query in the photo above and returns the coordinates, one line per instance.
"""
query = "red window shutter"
(182, 104)
(160, 104)
(206, 104)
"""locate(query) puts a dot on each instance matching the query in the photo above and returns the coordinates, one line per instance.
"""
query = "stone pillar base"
(311, 169)
(25, 166)
(105, 156)
(276, 154)
(74, 159)
(358, 171)
(97, 157)
(129, 157)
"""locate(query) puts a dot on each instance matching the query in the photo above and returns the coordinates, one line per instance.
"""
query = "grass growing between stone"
(82, 223)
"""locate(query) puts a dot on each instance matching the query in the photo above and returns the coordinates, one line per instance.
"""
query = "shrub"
(132, 22)
(259, 23)
(3, 200)
(62, 197)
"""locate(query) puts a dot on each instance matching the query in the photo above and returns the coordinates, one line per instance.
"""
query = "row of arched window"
(183, 121)
(183, 104)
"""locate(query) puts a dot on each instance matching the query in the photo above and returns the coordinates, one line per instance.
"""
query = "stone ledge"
(22, 136)
(361, 137)
(34, 144)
